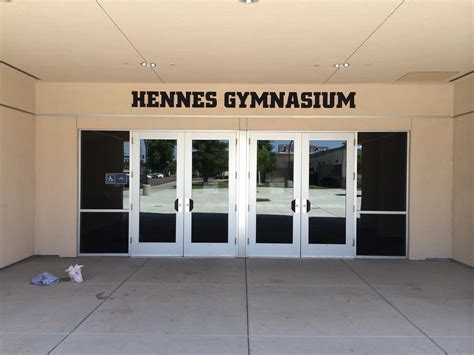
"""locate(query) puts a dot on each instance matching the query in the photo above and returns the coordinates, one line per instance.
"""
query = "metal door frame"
(138, 249)
(211, 249)
(270, 249)
(330, 250)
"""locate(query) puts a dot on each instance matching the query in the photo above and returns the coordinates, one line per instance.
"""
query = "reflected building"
(327, 167)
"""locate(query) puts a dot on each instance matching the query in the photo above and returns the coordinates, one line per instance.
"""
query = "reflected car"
(143, 180)
(156, 176)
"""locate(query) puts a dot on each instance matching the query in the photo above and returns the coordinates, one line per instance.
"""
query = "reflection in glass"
(381, 235)
(275, 163)
(157, 191)
(104, 152)
(382, 171)
(210, 191)
(104, 232)
(327, 192)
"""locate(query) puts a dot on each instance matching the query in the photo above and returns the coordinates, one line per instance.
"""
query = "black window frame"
(81, 210)
(382, 212)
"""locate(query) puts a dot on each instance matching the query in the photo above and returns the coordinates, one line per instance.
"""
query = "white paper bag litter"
(75, 273)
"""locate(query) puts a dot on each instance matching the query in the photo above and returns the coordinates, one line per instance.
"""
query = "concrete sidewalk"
(238, 306)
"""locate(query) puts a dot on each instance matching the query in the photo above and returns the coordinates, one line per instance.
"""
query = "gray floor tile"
(300, 271)
(171, 308)
(457, 346)
(323, 311)
(437, 312)
(57, 308)
(28, 343)
(198, 306)
(197, 271)
(341, 345)
(153, 344)
(444, 274)
(96, 269)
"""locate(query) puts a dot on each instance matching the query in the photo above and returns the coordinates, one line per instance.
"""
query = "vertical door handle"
(189, 204)
(308, 206)
(178, 205)
(295, 205)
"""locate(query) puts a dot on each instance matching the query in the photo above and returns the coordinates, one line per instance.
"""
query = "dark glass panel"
(104, 152)
(381, 171)
(210, 191)
(104, 232)
(157, 227)
(327, 191)
(381, 235)
(210, 227)
(157, 191)
(275, 164)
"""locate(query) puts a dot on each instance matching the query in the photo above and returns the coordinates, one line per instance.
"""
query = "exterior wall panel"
(17, 185)
(430, 211)
(463, 173)
(17, 165)
(56, 186)
(379, 108)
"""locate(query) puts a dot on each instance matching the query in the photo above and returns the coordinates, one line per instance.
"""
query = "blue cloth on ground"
(45, 279)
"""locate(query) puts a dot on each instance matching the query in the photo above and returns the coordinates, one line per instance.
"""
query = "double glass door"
(183, 194)
(301, 194)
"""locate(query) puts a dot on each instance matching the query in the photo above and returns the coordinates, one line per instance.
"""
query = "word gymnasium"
(243, 99)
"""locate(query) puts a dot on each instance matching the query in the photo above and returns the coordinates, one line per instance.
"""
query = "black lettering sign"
(245, 99)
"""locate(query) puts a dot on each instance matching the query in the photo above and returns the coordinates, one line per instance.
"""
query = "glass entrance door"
(209, 204)
(301, 190)
(327, 192)
(183, 194)
(274, 194)
(157, 181)
(301, 194)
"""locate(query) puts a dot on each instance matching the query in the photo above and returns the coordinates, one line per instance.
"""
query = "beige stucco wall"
(56, 185)
(431, 164)
(17, 89)
(463, 173)
(17, 166)
(423, 110)
(38, 169)
(372, 99)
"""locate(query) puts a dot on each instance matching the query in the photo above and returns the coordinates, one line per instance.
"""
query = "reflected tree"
(210, 157)
(161, 156)
(266, 160)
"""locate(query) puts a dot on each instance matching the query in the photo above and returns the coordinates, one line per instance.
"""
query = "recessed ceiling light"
(341, 65)
(148, 65)
(248, 1)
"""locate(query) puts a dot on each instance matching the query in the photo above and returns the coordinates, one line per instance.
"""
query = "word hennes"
(243, 99)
